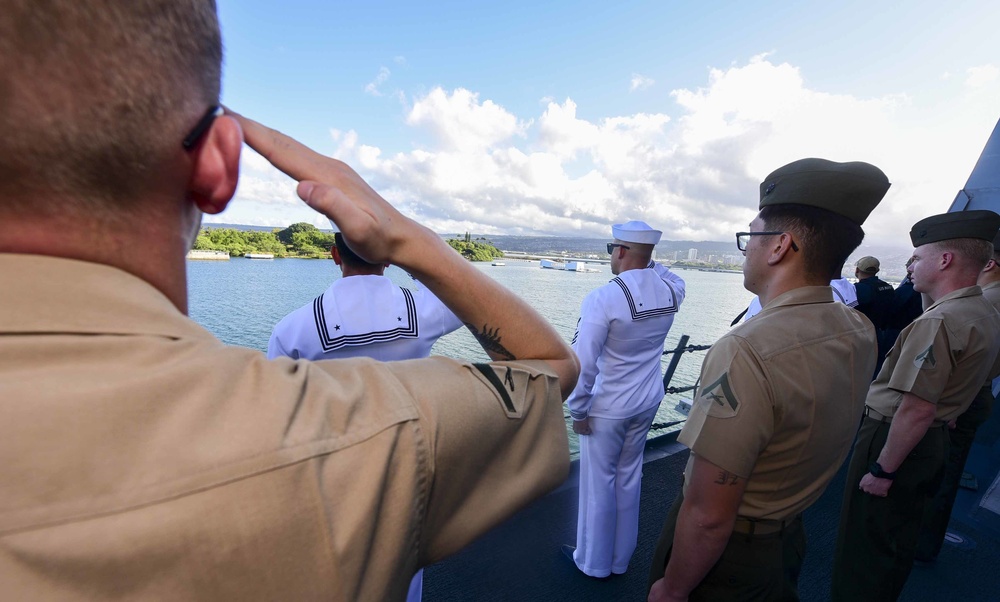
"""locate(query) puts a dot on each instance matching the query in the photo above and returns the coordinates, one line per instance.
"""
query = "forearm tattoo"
(726, 478)
(490, 340)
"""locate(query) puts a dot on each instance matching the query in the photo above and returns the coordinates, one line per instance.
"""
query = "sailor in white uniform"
(364, 314)
(843, 291)
(619, 340)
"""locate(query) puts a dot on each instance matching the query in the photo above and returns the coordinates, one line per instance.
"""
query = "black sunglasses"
(196, 133)
(743, 238)
(612, 245)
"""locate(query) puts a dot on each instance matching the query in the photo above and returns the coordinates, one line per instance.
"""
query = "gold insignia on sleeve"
(925, 359)
(720, 393)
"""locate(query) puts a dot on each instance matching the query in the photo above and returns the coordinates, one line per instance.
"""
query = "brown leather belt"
(758, 526)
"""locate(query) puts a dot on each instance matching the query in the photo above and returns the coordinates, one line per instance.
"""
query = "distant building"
(692, 254)
(733, 259)
(677, 255)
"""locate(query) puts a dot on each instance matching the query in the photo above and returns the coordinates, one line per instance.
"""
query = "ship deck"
(521, 560)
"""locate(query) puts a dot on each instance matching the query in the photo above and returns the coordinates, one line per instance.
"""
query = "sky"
(562, 118)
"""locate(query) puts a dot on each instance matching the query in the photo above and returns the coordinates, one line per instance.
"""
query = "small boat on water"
(208, 255)
(498, 263)
(569, 266)
(259, 255)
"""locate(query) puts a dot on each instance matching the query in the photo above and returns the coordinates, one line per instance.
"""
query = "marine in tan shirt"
(930, 377)
(142, 459)
(779, 397)
(961, 433)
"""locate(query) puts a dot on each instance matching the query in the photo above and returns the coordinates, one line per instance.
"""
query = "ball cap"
(849, 189)
(637, 232)
(868, 265)
(978, 223)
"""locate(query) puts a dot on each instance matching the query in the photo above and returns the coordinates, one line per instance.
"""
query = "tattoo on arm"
(490, 340)
(727, 478)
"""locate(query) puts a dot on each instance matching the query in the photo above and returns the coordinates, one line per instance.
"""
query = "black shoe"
(568, 551)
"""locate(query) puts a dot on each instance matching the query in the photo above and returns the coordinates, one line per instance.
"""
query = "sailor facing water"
(780, 395)
(619, 340)
(364, 314)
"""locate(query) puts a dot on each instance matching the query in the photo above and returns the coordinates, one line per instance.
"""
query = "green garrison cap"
(978, 223)
(849, 189)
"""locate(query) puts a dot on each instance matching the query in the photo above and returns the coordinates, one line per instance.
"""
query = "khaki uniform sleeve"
(497, 440)
(732, 417)
(925, 361)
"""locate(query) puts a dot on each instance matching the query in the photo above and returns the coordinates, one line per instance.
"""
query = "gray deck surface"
(520, 559)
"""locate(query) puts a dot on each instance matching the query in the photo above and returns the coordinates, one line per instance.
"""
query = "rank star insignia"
(720, 393)
(925, 358)
(336, 327)
(398, 319)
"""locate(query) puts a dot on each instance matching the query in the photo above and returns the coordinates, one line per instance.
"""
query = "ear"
(216, 167)
(336, 255)
(946, 259)
(781, 249)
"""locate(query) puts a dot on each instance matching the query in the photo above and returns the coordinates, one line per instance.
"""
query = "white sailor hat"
(637, 232)
(333, 225)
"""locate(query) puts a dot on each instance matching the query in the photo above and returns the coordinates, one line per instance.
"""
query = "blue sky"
(563, 118)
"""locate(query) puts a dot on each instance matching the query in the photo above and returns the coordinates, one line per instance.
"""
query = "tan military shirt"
(780, 399)
(944, 356)
(140, 458)
(991, 292)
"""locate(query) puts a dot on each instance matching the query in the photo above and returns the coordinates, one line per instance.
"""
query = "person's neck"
(633, 263)
(148, 248)
(349, 270)
(780, 285)
(949, 284)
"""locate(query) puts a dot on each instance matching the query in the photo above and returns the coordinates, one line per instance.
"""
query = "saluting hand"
(375, 229)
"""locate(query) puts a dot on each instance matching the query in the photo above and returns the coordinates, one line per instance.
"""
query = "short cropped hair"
(973, 251)
(826, 239)
(350, 257)
(96, 95)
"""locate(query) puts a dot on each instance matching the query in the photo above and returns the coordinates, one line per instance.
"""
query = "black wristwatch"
(876, 469)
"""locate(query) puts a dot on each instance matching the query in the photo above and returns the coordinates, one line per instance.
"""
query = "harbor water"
(241, 300)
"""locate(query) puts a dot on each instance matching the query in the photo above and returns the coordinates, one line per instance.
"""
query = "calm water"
(242, 299)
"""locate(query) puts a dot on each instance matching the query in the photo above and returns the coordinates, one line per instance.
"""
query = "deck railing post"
(681, 345)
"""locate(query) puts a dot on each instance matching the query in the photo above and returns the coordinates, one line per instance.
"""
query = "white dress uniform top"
(365, 316)
(843, 291)
(619, 341)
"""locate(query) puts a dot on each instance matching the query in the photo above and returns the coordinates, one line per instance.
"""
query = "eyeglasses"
(743, 238)
(198, 131)
(612, 245)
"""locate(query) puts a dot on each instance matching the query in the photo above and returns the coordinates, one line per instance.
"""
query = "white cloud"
(639, 82)
(460, 122)
(381, 78)
(691, 169)
(399, 60)
(982, 75)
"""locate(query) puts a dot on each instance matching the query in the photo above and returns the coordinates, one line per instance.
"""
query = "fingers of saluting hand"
(330, 187)
(287, 154)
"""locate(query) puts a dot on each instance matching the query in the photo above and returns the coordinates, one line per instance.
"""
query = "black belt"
(879, 417)
(759, 526)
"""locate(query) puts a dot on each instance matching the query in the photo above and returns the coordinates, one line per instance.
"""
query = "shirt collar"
(55, 295)
(804, 295)
(969, 291)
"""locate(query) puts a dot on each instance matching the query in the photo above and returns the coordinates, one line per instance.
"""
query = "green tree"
(475, 251)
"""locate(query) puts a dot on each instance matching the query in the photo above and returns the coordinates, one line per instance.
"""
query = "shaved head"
(96, 96)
